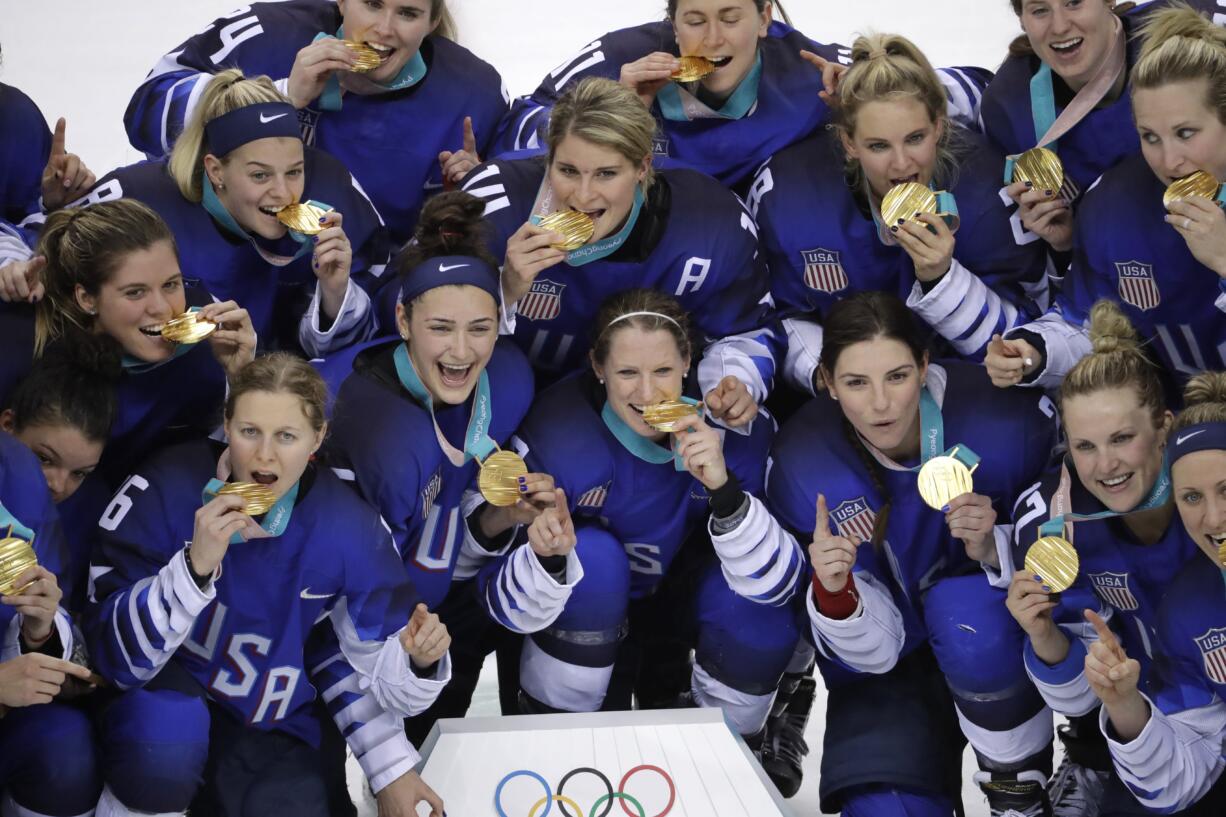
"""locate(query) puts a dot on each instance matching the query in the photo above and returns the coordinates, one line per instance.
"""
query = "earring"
(600, 380)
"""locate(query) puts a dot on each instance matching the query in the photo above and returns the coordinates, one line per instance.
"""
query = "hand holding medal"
(530, 250)
(1044, 197)
(36, 594)
(1054, 562)
(647, 75)
(1194, 205)
(232, 337)
(216, 523)
(832, 555)
(700, 448)
(315, 63)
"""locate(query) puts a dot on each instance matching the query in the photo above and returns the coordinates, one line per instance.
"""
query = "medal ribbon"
(274, 522)
(134, 365)
(1048, 128)
(1062, 519)
(677, 104)
(637, 444)
(7, 521)
(596, 250)
(932, 439)
(477, 442)
(414, 71)
(947, 209)
(222, 216)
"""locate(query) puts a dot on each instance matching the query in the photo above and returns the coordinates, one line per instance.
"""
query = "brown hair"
(451, 223)
(282, 373)
(1118, 361)
(1204, 400)
(227, 91)
(1021, 47)
(84, 247)
(607, 325)
(1181, 45)
(760, 5)
(607, 114)
(887, 67)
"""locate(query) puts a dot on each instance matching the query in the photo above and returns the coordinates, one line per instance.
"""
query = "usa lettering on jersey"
(1113, 589)
(1137, 284)
(854, 519)
(543, 302)
(1212, 646)
(824, 271)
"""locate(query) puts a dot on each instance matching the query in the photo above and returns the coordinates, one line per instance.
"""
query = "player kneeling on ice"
(214, 566)
(650, 473)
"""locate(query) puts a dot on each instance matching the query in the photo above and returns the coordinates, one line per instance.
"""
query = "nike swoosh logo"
(1184, 437)
(432, 186)
(264, 120)
(307, 594)
(453, 266)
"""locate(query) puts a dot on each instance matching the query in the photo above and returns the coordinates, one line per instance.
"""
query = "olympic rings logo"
(605, 799)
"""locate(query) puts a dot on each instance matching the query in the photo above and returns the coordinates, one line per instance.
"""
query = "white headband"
(642, 315)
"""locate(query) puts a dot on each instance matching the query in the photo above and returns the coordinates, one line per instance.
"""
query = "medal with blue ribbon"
(904, 201)
(640, 446)
(678, 104)
(500, 486)
(544, 206)
(134, 365)
(222, 216)
(16, 552)
(276, 518)
(413, 72)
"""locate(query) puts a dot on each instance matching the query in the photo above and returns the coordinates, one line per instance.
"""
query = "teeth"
(382, 49)
(1218, 538)
(1064, 46)
(152, 330)
(1117, 481)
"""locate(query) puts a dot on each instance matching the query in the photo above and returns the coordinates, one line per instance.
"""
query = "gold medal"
(575, 227)
(693, 69)
(188, 328)
(943, 478)
(259, 498)
(498, 480)
(1055, 560)
(1199, 183)
(668, 414)
(368, 59)
(302, 218)
(904, 201)
(16, 557)
(1042, 168)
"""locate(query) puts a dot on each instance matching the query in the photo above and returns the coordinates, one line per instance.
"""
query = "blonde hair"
(1204, 400)
(228, 91)
(887, 67)
(607, 114)
(84, 247)
(1117, 361)
(445, 26)
(282, 373)
(1181, 45)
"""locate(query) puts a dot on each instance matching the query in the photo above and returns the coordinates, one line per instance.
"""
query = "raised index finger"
(57, 138)
(470, 138)
(821, 526)
(1104, 632)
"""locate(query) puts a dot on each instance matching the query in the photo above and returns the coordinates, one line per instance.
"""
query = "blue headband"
(261, 121)
(1203, 437)
(450, 270)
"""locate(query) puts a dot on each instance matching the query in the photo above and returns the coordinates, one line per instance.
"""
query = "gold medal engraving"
(668, 414)
(943, 478)
(188, 328)
(1054, 559)
(302, 218)
(498, 480)
(259, 499)
(16, 557)
(576, 228)
(368, 59)
(693, 69)
(1199, 183)
(1042, 168)
(904, 201)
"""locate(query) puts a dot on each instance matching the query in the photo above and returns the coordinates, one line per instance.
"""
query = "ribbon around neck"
(947, 209)
(274, 522)
(222, 216)
(932, 439)
(413, 72)
(1048, 128)
(134, 365)
(678, 104)
(8, 521)
(603, 248)
(1062, 517)
(478, 444)
(638, 445)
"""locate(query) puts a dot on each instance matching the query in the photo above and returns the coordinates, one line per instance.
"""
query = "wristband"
(840, 605)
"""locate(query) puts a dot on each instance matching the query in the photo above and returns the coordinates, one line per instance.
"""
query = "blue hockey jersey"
(1012, 431)
(381, 435)
(693, 240)
(390, 142)
(1100, 140)
(651, 508)
(230, 268)
(25, 145)
(243, 635)
(997, 279)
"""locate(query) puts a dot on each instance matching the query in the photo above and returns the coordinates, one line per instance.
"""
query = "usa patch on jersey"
(543, 302)
(1137, 285)
(855, 520)
(1212, 646)
(824, 271)
(595, 498)
(430, 493)
(1113, 589)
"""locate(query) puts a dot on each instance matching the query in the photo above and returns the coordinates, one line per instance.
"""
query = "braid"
(874, 473)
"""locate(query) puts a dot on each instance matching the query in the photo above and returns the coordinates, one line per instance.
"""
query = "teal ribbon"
(274, 522)
(8, 521)
(134, 365)
(739, 104)
(222, 216)
(605, 246)
(414, 71)
(932, 439)
(947, 209)
(1159, 495)
(637, 444)
(1042, 113)
(477, 442)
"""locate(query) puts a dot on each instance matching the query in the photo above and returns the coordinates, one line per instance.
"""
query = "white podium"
(687, 757)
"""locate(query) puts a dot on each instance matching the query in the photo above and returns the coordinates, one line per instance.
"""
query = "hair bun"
(1206, 388)
(1111, 331)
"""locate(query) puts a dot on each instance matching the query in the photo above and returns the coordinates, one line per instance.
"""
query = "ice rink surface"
(82, 59)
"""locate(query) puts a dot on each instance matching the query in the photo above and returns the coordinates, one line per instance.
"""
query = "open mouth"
(914, 177)
(153, 330)
(1218, 540)
(1116, 484)
(719, 62)
(384, 51)
(1067, 48)
(263, 477)
(594, 215)
(454, 376)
